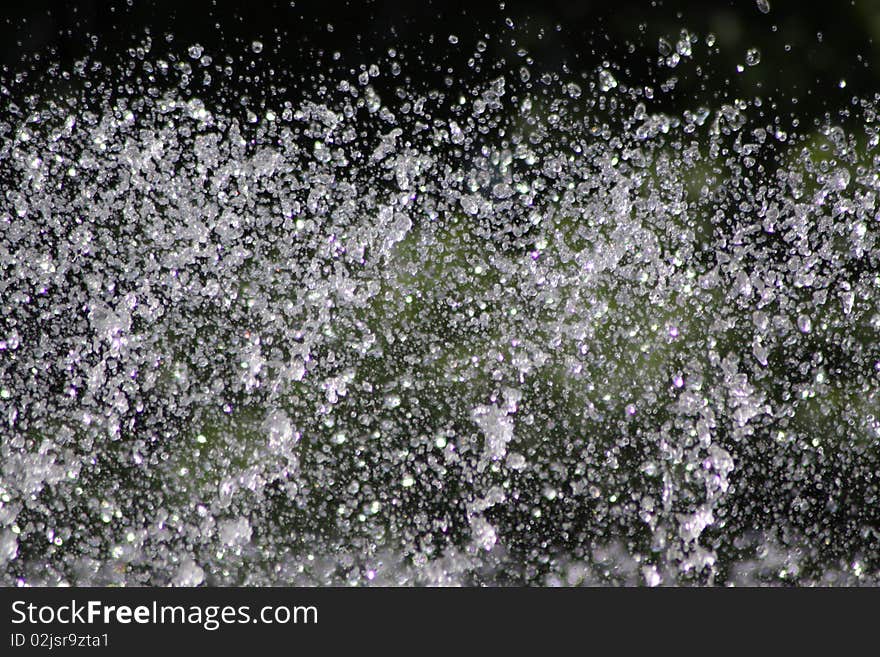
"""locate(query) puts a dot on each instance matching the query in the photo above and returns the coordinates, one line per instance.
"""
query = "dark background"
(828, 41)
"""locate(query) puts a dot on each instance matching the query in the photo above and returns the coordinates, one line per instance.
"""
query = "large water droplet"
(607, 81)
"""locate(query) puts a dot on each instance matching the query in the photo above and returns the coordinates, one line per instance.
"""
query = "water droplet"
(753, 56)
(607, 81)
(683, 46)
(804, 323)
(664, 47)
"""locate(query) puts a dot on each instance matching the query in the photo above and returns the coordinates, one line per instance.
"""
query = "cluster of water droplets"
(526, 330)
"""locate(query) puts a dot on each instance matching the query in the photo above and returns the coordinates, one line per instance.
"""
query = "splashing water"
(526, 331)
